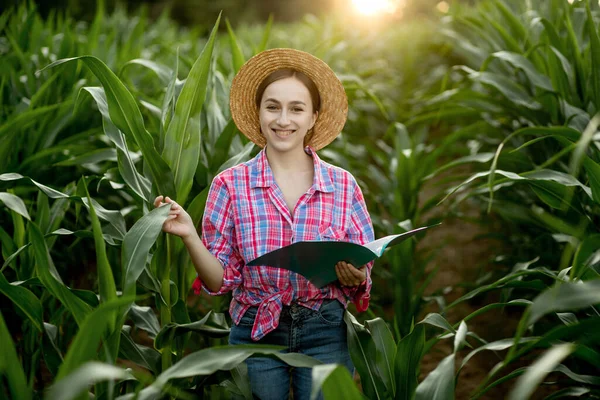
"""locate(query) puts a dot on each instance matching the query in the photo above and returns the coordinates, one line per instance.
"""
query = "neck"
(292, 161)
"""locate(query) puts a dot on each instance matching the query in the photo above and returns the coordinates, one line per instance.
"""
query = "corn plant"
(530, 80)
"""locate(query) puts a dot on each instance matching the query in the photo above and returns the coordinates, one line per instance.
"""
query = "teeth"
(284, 133)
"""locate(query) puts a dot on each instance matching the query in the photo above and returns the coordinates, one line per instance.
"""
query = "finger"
(346, 277)
(358, 275)
(341, 275)
(338, 273)
(352, 277)
(157, 201)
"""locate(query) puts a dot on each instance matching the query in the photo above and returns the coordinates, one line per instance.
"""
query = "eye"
(297, 109)
(271, 107)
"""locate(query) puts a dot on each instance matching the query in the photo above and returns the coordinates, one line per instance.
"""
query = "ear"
(314, 119)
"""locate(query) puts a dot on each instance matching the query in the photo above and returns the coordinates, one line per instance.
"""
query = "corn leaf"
(88, 374)
(385, 350)
(95, 326)
(126, 116)
(14, 203)
(25, 300)
(137, 243)
(361, 346)
(137, 182)
(106, 282)
(536, 372)
(182, 140)
(10, 366)
(335, 382)
(407, 362)
(439, 384)
(236, 52)
(50, 278)
(564, 297)
(210, 360)
(211, 325)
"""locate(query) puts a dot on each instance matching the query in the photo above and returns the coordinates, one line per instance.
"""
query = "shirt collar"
(262, 176)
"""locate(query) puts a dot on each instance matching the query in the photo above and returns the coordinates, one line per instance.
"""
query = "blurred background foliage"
(481, 115)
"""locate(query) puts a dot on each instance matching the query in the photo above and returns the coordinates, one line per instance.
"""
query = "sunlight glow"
(443, 6)
(374, 7)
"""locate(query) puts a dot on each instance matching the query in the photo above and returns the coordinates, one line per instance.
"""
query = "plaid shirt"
(246, 216)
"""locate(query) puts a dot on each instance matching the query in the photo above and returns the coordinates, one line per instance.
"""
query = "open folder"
(316, 260)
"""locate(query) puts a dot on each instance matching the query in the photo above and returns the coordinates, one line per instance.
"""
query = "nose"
(283, 119)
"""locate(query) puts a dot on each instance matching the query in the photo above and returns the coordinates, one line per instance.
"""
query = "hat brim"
(334, 103)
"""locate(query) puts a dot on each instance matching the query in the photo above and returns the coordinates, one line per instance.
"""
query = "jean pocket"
(249, 317)
(331, 313)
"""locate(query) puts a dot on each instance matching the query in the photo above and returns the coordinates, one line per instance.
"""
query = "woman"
(291, 104)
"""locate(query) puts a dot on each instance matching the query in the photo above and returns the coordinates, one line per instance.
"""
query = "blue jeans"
(319, 334)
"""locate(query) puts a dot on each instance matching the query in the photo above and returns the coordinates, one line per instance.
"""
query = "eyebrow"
(292, 102)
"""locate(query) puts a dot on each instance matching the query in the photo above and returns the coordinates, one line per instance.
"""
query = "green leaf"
(95, 326)
(88, 374)
(137, 244)
(137, 182)
(182, 140)
(115, 218)
(14, 203)
(25, 300)
(127, 117)
(106, 282)
(583, 145)
(439, 384)
(587, 254)
(568, 392)
(386, 349)
(407, 362)
(212, 325)
(210, 360)
(223, 144)
(52, 355)
(497, 345)
(91, 157)
(50, 278)
(143, 356)
(535, 373)
(519, 61)
(335, 382)
(266, 34)
(508, 88)
(593, 172)
(10, 366)
(564, 297)
(144, 318)
(436, 319)
(460, 337)
(163, 72)
(361, 347)
(595, 55)
(236, 52)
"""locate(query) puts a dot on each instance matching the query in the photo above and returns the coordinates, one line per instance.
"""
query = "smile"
(283, 133)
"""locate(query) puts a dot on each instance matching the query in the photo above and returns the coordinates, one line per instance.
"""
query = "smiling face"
(286, 114)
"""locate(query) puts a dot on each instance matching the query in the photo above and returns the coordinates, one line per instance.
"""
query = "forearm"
(208, 267)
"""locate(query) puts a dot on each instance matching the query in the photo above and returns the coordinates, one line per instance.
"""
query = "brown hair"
(289, 73)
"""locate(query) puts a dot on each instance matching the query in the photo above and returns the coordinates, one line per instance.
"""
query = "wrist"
(190, 238)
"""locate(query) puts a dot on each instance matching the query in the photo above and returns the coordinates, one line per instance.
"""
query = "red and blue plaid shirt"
(246, 216)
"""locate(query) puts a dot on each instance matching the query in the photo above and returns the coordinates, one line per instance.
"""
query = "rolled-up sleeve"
(360, 231)
(218, 235)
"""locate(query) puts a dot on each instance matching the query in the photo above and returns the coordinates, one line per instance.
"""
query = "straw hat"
(334, 103)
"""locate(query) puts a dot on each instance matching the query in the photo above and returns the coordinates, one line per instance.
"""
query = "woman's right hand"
(179, 222)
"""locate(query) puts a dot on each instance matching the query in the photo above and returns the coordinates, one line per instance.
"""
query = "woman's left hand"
(349, 275)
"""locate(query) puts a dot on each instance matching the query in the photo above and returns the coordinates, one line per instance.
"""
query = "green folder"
(316, 260)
